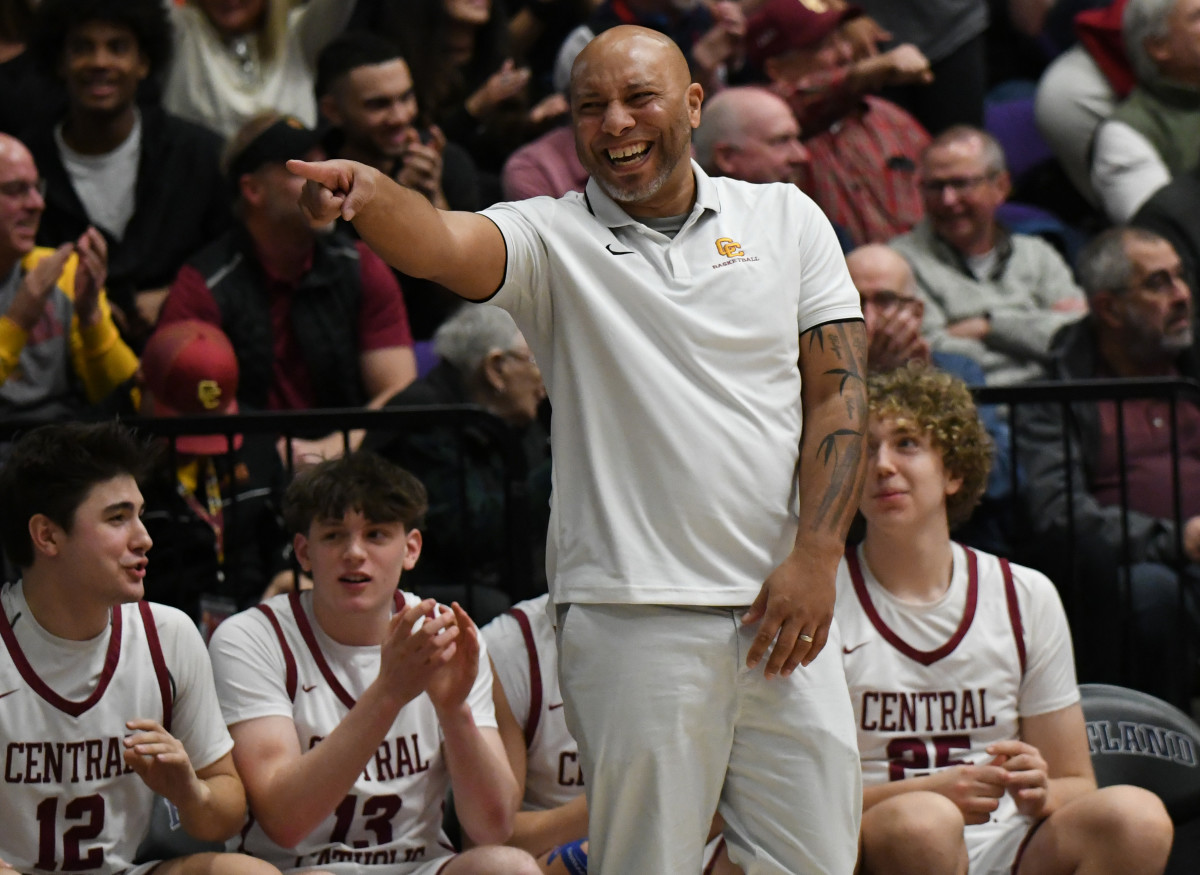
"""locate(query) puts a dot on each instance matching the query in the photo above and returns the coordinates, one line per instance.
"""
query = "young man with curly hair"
(970, 730)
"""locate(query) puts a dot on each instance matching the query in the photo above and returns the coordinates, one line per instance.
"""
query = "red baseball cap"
(190, 369)
(781, 26)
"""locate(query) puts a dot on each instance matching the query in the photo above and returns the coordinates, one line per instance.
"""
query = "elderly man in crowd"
(1140, 326)
(992, 295)
(1153, 133)
(59, 348)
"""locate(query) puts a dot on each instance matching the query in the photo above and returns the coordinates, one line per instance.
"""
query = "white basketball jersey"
(70, 803)
(393, 814)
(525, 654)
(934, 684)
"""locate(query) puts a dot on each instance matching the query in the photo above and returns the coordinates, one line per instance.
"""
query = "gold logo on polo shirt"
(729, 248)
(818, 6)
(209, 393)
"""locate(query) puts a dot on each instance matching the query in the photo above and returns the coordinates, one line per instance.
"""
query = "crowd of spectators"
(144, 204)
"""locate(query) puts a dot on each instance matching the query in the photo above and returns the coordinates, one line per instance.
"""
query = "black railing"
(1025, 403)
(518, 579)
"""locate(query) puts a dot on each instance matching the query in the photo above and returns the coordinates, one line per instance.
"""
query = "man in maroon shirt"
(1141, 325)
(316, 318)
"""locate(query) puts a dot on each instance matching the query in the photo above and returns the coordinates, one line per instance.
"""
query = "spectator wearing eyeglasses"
(59, 348)
(994, 296)
(1079, 462)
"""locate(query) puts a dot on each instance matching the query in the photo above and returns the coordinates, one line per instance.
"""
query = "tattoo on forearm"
(840, 451)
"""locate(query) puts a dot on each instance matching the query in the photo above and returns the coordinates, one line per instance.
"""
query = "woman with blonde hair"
(236, 58)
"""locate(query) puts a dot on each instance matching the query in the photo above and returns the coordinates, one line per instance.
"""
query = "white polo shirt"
(672, 366)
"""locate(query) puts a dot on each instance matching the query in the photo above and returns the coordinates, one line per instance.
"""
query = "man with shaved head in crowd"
(687, 327)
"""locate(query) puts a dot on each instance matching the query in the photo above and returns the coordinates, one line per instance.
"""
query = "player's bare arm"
(486, 793)
(292, 791)
(1050, 765)
(462, 251)
(795, 603)
(211, 802)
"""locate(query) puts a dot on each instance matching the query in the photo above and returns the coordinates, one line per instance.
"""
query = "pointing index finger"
(324, 172)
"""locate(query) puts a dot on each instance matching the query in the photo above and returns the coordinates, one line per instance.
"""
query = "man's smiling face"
(634, 108)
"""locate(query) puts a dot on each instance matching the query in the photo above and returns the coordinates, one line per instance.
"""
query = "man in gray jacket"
(994, 296)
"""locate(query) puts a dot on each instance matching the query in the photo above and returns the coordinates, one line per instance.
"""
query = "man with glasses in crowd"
(1084, 460)
(59, 348)
(994, 296)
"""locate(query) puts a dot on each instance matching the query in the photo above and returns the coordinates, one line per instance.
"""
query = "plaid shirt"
(865, 153)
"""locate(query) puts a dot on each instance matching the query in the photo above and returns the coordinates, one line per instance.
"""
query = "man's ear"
(771, 69)
(412, 543)
(1104, 308)
(300, 548)
(721, 157)
(953, 484)
(331, 110)
(1158, 49)
(695, 98)
(47, 536)
(250, 188)
(493, 372)
(1004, 182)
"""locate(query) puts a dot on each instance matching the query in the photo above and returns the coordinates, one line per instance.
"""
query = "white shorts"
(993, 847)
(672, 726)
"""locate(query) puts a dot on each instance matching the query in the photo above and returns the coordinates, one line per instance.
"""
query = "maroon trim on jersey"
(310, 639)
(535, 676)
(1014, 612)
(289, 661)
(111, 658)
(306, 632)
(160, 664)
(924, 657)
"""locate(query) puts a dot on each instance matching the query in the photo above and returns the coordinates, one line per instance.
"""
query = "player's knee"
(915, 828)
(218, 863)
(1132, 823)
(499, 860)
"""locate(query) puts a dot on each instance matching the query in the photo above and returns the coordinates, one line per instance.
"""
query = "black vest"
(324, 316)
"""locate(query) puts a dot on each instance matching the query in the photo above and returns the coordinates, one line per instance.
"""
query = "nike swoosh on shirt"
(612, 251)
(555, 707)
(846, 651)
(309, 688)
